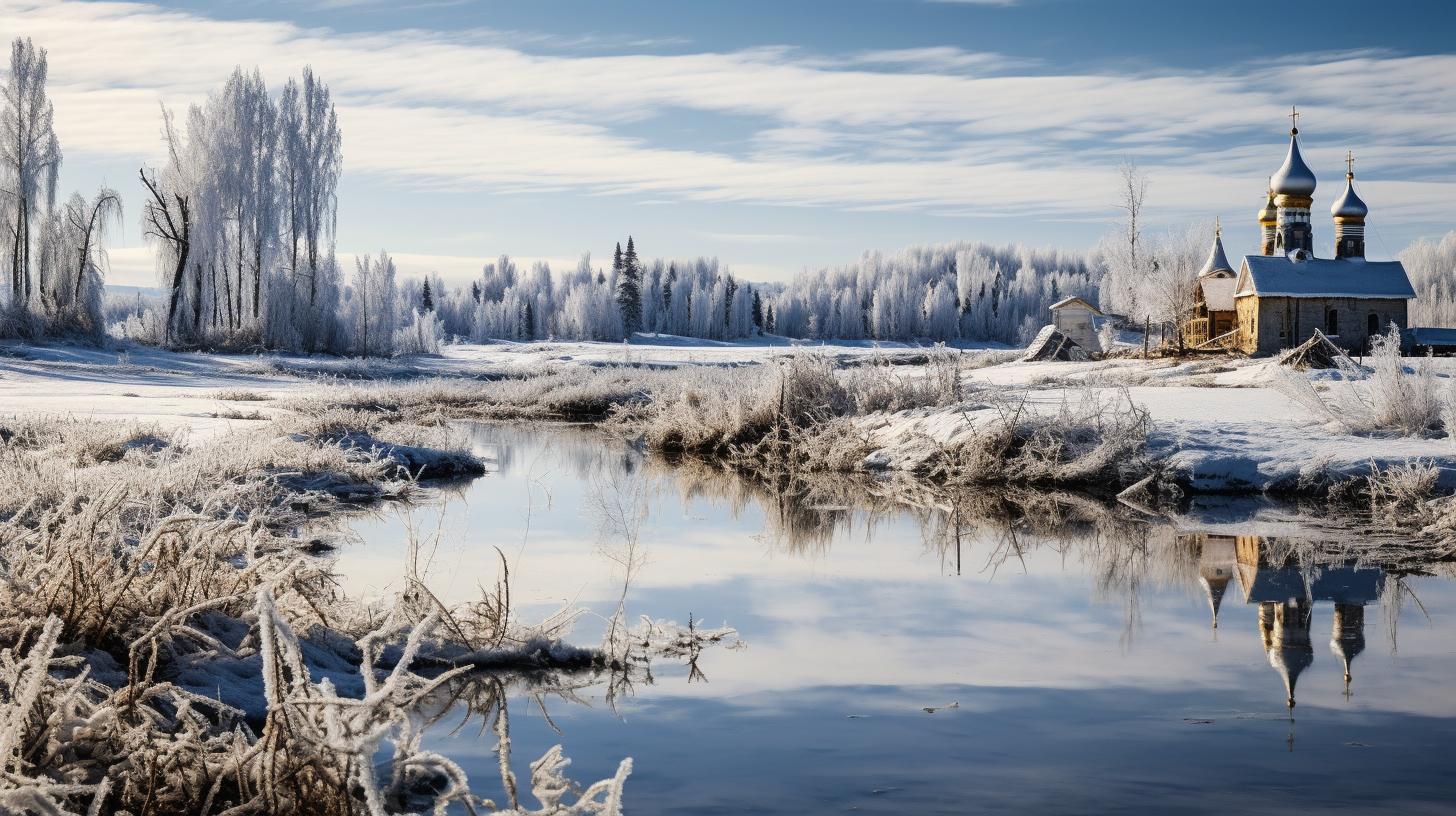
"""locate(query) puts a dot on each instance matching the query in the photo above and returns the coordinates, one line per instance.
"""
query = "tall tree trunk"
(177, 275)
(257, 275)
(197, 300)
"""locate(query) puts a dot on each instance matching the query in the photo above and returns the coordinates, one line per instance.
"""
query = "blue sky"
(780, 135)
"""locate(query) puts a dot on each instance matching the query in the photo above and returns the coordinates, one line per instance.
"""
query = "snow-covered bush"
(1386, 398)
(1095, 439)
(421, 335)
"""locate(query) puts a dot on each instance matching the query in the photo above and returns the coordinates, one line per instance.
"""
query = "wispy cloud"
(937, 129)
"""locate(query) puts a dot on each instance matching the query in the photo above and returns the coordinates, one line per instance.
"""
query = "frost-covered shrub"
(1387, 398)
(1093, 440)
(148, 328)
(421, 335)
(1401, 491)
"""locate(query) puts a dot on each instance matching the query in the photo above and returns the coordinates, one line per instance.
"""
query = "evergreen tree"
(629, 287)
(427, 301)
(667, 288)
(728, 301)
(757, 311)
(475, 291)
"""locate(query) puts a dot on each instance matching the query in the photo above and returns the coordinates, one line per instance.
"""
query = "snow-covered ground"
(1223, 421)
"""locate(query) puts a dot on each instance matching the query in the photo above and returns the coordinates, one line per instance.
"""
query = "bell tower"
(1293, 187)
(1349, 213)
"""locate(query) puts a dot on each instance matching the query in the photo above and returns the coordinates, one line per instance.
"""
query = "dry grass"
(165, 633)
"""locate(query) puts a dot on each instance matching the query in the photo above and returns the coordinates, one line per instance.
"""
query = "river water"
(946, 660)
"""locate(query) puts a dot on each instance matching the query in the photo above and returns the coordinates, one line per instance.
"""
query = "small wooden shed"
(1073, 317)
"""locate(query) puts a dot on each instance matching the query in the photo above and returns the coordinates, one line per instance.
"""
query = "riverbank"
(1222, 426)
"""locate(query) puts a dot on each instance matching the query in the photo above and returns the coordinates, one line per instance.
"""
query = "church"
(1278, 298)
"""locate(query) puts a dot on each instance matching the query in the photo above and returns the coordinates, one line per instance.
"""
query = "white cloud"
(938, 129)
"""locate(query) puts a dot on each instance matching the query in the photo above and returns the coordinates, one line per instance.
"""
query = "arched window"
(1332, 322)
(1372, 324)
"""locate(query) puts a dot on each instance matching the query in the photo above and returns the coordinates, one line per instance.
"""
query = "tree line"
(243, 210)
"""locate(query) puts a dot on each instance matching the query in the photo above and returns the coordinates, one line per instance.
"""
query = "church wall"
(1269, 325)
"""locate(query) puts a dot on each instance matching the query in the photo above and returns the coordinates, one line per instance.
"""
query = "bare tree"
(1132, 190)
(167, 218)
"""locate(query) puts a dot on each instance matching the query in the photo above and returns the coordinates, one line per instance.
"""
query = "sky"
(781, 135)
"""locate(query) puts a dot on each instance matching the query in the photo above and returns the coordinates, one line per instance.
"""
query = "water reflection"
(1077, 636)
(1285, 582)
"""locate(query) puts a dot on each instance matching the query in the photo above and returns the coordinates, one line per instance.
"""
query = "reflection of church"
(1286, 595)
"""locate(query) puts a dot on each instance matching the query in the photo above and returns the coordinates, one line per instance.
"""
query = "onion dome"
(1285, 631)
(1270, 213)
(1294, 178)
(1349, 205)
(1217, 260)
(1347, 638)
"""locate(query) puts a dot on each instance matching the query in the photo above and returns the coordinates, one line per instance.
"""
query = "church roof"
(1218, 293)
(1281, 276)
(1349, 205)
(1294, 176)
(1217, 260)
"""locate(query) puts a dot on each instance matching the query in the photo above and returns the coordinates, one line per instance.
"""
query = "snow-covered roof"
(1279, 276)
(1074, 301)
(1218, 293)
(1294, 176)
(1217, 260)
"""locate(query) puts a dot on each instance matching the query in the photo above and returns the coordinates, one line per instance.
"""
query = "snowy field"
(1224, 422)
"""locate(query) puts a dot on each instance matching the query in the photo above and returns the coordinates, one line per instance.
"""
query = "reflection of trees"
(1124, 549)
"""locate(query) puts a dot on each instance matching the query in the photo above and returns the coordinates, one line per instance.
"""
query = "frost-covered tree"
(310, 153)
(30, 160)
(244, 214)
(372, 300)
(72, 288)
(1431, 266)
(965, 291)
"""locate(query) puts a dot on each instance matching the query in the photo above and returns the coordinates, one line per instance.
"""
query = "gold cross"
(1349, 163)
(1294, 119)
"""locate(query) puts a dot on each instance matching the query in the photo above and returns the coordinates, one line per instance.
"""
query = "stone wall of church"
(1271, 324)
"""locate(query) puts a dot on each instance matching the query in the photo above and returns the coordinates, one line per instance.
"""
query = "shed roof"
(1280, 276)
(1431, 336)
(1218, 293)
(1075, 301)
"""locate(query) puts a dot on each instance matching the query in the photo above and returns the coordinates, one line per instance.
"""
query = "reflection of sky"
(1052, 684)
